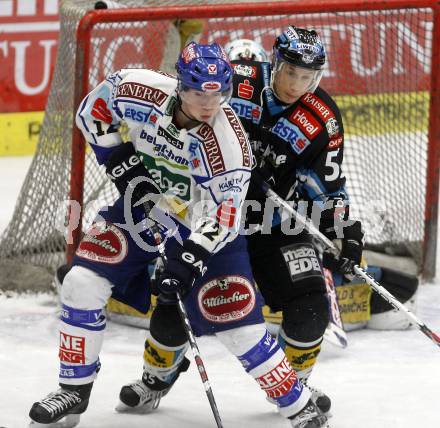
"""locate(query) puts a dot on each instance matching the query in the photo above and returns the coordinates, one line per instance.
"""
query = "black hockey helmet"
(300, 47)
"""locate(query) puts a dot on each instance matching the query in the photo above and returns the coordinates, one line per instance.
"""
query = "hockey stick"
(383, 292)
(189, 332)
(334, 333)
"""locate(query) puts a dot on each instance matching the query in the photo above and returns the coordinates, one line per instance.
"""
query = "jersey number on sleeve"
(100, 132)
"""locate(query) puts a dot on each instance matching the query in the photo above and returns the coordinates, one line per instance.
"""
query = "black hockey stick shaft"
(188, 329)
(379, 289)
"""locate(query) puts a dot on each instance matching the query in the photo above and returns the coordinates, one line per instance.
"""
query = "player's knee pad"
(84, 289)
(166, 326)
(306, 317)
(239, 340)
(83, 296)
(262, 357)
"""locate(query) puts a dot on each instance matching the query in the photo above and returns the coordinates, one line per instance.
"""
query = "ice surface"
(382, 380)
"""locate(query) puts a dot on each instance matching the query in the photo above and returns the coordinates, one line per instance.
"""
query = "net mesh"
(378, 70)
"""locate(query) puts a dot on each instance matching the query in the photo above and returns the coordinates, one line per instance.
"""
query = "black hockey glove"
(184, 266)
(123, 165)
(351, 252)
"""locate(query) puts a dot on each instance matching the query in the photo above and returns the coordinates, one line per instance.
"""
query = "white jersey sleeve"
(97, 119)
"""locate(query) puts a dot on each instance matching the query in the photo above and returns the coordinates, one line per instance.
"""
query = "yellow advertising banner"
(19, 133)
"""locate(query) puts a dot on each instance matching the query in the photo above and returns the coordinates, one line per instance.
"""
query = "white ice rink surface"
(382, 380)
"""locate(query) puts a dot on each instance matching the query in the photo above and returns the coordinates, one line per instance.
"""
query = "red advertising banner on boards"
(28, 43)
(29, 31)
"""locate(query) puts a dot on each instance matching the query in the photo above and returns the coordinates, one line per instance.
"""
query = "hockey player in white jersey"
(187, 149)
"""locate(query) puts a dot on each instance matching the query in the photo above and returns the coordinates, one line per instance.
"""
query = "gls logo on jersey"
(291, 133)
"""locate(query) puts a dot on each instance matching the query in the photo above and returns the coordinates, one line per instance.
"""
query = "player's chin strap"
(385, 294)
(187, 326)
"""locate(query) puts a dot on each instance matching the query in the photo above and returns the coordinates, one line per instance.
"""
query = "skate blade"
(69, 421)
(139, 410)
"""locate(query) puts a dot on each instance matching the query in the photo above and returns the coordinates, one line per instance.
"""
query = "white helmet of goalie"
(246, 49)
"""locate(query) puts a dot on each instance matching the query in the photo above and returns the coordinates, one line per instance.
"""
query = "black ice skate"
(62, 408)
(309, 417)
(320, 398)
(144, 395)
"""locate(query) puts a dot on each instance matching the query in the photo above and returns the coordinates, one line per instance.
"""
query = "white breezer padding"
(84, 289)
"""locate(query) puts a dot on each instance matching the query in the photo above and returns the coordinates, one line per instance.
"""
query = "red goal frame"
(94, 17)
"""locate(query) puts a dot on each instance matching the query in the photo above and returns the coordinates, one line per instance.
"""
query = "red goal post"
(354, 9)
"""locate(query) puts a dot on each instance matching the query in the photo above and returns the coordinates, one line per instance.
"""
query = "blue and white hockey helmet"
(205, 68)
(301, 48)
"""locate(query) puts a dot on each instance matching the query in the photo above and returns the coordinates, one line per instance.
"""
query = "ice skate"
(309, 417)
(320, 398)
(62, 408)
(144, 395)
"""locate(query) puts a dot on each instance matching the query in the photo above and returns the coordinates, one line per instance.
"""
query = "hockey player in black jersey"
(297, 136)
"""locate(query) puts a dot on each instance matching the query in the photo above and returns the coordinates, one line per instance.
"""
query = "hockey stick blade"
(385, 294)
(335, 335)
